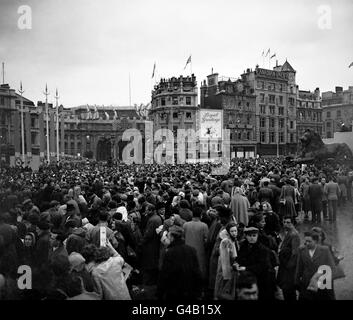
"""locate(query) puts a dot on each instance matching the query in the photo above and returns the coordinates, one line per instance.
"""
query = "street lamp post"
(22, 125)
(278, 136)
(46, 93)
(57, 126)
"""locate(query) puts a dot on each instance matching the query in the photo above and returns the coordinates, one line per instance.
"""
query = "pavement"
(339, 235)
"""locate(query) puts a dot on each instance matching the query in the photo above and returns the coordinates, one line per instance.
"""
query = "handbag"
(338, 273)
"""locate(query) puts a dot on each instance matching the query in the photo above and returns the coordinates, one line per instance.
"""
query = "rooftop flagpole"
(46, 93)
(21, 91)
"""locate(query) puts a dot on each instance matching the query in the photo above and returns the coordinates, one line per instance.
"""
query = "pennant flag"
(188, 61)
(115, 115)
(107, 115)
(268, 52)
(273, 56)
(154, 69)
(351, 65)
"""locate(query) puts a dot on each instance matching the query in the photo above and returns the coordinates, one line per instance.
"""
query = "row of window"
(312, 116)
(308, 104)
(273, 122)
(241, 135)
(271, 98)
(188, 115)
(272, 86)
(338, 114)
(174, 100)
(273, 137)
(272, 110)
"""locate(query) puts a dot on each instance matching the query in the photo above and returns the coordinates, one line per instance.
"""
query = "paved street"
(340, 235)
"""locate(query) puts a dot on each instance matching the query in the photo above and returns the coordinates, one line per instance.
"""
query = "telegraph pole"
(46, 93)
(57, 126)
(22, 125)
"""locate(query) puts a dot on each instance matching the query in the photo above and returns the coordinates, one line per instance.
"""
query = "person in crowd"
(180, 276)
(150, 247)
(256, 258)
(109, 274)
(332, 191)
(265, 193)
(240, 206)
(226, 276)
(305, 197)
(246, 287)
(288, 254)
(196, 236)
(287, 200)
(311, 258)
(324, 201)
(315, 196)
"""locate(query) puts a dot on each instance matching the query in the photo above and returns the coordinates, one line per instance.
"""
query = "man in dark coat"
(180, 276)
(265, 193)
(288, 254)
(315, 195)
(150, 247)
(8, 254)
(256, 258)
(311, 257)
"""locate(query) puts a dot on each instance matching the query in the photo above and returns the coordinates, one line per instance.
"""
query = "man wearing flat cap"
(256, 258)
(180, 275)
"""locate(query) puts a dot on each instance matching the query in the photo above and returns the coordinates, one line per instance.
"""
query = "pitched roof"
(287, 67)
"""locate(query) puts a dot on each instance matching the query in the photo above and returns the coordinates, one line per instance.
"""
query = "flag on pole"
(273, 56)
(188, 61)
(268, 52)
(351, 65)
(106, 115)
(115, 115)
(263, 52)
(154, 69)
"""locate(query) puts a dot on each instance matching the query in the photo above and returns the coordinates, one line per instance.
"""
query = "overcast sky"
(87, 48)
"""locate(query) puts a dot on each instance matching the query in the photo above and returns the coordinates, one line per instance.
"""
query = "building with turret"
(276, 94)
(174, 105)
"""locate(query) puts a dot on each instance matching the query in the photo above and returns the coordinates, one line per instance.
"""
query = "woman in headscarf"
(27, 254)
(226, 276)
(240, 206)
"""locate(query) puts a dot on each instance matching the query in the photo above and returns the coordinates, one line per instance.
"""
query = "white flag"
(188, 61)
(154, 69)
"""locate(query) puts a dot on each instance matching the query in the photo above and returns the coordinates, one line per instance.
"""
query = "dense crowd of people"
(92, 231)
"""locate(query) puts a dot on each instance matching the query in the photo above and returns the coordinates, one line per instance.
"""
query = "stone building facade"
(85, 131)
(174, 105)
(337, 109)
(276, 95)
(234, 97)
(309, 112)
